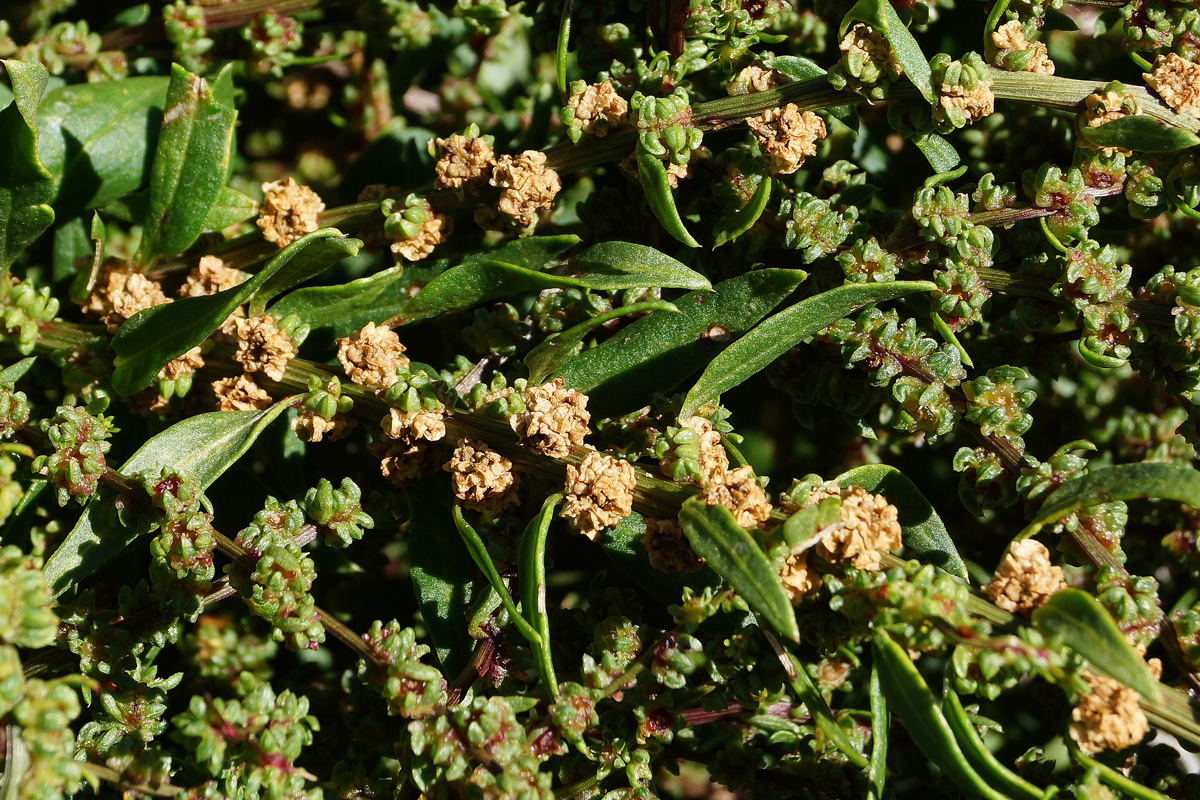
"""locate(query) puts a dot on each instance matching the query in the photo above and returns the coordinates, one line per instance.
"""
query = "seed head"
(1025, 578)
(288, 211)
(599, 493)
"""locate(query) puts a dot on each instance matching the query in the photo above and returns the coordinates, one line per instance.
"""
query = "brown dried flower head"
(288, 211)
(482, 479)
(310, 426)
(1109, 718)
(740, 492)
(209, 277)
(598, 109)
(528, 185)
(182, 366)
(410, 427)
(866, 529)
(599, 493)
(975, 103)
(465, 163)
(1010, 37)
(668, 547)
(401, 462)
(240, 394)
(713, 458)
(1025, 578)
(1177, 82)
(262, 347)
(554, 419)
(433, 232)
(752, 80)
(677, 173)
(786, 136)
(798, 580)
(372, 356)
(121, 292)
(872, 44)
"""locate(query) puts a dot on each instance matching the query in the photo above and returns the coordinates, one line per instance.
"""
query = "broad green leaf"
(726, 547)
(229, 208)
(940, 154)
(190, 165)
(733, 226)
(881, 723)
(922, 529)
(1077, 619)
(619, 266)
(909, 697)
(26, 186)
(348, 307)
(444, 577)
(1117, 779)
(71, 244)
(531, 560)
(557, 349)
(660, 197)
(1142, 133)
(973, 747)
(657, 352)
(814, 701)
(880, 15)
(153, 337)
(202, 447)
(774, 337)
(622, 543)
(96, 139)
(1122, 482)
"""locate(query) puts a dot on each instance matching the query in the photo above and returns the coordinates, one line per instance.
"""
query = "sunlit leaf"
(26, 186)
(660, 196)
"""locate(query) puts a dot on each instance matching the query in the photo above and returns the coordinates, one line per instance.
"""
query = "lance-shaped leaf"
(774, 337)
(347, 307)
(660, 197)
(880, 15)
(556, 350)
(980, 756)
(881, 719)
(922, 529)
(657, 352)
(732, 552)
(1140, 132)
(940, 154)
(733, 226)
(25, 184)
(229, 208)
(1077, 619)
(156, 335)
(201, 447)
(190, 165)
(814, 701)
(531, 557)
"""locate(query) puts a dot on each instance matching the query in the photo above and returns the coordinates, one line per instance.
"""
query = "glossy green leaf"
(483, 560)
(657, 352)
(660, 196)
(444, 578)
(732, 552)
(977, 752)
(923, 530)
(814, 701)
(556, 350)
(880, 15)
(775, 336)
(940, 154)
(14, 372)
(153, 337)
(1142, 133)
(619, 260)
(190, 165)
(202, 447)
(533, 252)
(26, 186)
(909, 697)
(97, 139)
(881, 723)
(531, 558)
(348, 307)
(229, 208)
(733, 226)
(1117, 779)
(622, 543)
(1077, 619)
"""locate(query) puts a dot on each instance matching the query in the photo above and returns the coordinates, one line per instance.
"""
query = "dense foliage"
(546, 399)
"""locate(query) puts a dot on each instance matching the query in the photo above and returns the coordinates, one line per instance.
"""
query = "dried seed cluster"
(240, 393)
(668, 547)
(288, 211)
(736, 489)
(527, 183)
(262, 347)
(555, 419)
(599, 493)
(798, 580)
(425, 424)
(465, 163)
(1177, 82)
(1010, 37)
(786, 136)
(867, 528)
(370, 357)
(121, 292)
(752, 80)
(975, 103)
(1025, 578)
(598, 109)
(1108, 718)
(482, 479)
(871, 45)
(209, 277)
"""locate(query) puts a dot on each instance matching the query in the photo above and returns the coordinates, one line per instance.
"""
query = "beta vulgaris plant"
(593, 400)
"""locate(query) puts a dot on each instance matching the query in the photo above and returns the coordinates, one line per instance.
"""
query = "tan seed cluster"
(598, 109)
(668, 547)
(1177, 82)
(1108, 718)
(1010, 37)
(786, 136)
(739, 491)
(798, 580)
(677, 173)
(409, 428)
(1104, 107)
(372, 356)
(872, 44)
(976, 103)
(482, 479)
(262, 347)
(400, 462)
(1025, 578)
(867, 528)
(713, 457)
(599, 493)
(122, 292)
(434, 231)
(465, 163)
(752, 80)
(555, 419)
(240, 394)
(528, 185)
(182, 366)
(288, 211)
(209, 277)
(310, 426)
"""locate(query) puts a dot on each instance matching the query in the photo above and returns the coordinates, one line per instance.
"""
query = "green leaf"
(156, 335)
(202, 447)
(909, 697)
(559, 348)
(26, 186)
(814, 701)
(608, 266)
(922, 529)
(444, 577)
(229, 208)
(1077, 619)
(531, 560)
(660, 197)
(973, 747)
(940, 154)
(533, 252)
(726, 547)
(96, 139)
(479, 554)
(881, 719)
(190, 164)
(774, 337)
(657, 352)
(622, 543)
(880, 15)
(1142, 133)
(733, 226)
(14, 372)
(348, 307)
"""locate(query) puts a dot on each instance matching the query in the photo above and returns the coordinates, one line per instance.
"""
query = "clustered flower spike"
(754, 79)
(482, 478)
(527, 185)
(413, 227)
(209, 277)
(554, 419)
(1015, 52)
(1108, 718)
(867, 527)
(263, 347)
(120, 293)
(1025, 578)
(798, 580)
(599, 493)
(240, 393)
(593, 110)
(370, 357)
(964, 91)
(868, 65)
(786, 136)
(288, 211)
(465, 163)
